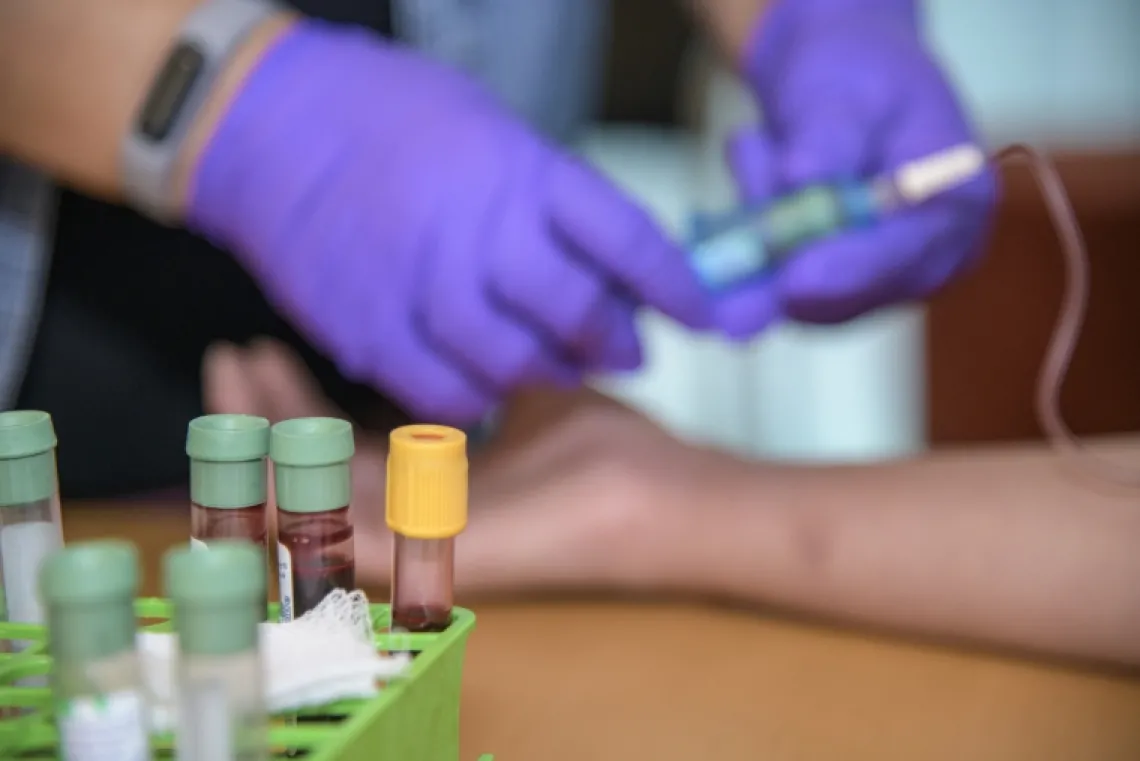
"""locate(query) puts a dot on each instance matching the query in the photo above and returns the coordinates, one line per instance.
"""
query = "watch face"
(171, 88)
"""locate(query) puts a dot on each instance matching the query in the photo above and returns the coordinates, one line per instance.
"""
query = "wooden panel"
(988, 332)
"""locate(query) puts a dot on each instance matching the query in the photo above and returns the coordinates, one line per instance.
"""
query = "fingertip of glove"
(616, 235)
(984, 190)
(742, 315)
(694, 310)
(822, 152)
(753, 159)
(623, 358)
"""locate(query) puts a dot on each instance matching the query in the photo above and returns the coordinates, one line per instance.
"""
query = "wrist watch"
(207, 40)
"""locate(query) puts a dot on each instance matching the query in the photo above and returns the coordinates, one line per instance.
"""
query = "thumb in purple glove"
(848, 90)
(426, 239)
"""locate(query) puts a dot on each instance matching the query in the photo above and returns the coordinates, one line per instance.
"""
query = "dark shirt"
(374, 14)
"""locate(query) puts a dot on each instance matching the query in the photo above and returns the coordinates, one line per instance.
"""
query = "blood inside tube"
(315, 557)
(419, 619)
(422, 584)
(207, 523)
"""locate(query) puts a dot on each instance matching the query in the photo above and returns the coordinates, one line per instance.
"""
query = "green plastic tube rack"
(414, 718)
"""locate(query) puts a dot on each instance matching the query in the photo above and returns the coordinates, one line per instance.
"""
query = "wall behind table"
(987, 333)
(1057, 72)
(1065, 76)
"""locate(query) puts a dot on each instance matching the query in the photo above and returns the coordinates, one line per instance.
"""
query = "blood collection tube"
(228, 479)
(100, 702)
(426, 510)
(311, 458)
(30, 528)
(218, 601)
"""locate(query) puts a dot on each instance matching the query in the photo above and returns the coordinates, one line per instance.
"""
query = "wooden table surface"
(608, 681)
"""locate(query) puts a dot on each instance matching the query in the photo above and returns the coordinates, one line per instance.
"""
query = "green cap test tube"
(218, 603)
(29, 510)
(216, 596)
(228, 479)
(89, 590)
(311, 464)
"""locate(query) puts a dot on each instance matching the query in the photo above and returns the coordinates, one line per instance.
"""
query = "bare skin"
(999, 546)
(729, 23)
(72, 74)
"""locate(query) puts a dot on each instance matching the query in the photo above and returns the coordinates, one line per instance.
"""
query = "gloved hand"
(424, 238)
(847, 89)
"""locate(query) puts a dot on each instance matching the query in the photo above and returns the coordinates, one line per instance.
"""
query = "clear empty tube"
(30, 528)
(100, 702)
(426, 510)
(218, 601)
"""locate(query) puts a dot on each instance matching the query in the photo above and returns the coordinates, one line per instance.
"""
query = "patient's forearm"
(729, 22)
(1003, 546)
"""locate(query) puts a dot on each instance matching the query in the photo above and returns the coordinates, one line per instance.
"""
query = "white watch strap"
(150, 151)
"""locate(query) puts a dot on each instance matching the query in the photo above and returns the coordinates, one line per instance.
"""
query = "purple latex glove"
(427, 240)
(847, 90)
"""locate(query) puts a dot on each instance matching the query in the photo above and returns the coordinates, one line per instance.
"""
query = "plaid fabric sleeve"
(26, 202)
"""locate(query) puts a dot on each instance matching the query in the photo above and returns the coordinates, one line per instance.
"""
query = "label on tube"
(108, 727)
(285, 582)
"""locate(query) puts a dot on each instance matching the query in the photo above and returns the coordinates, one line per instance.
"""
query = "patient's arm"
(1003, 545)
(998, 545)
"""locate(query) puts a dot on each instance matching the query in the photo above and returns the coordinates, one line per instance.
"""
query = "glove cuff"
(268, 117)
(220, 175)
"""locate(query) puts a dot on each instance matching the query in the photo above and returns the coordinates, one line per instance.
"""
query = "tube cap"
(427, 481)
(311, 459)
(227, 460)
(90, 572)
(227, 438)
(218, 596)
(89, 590)
(311, 442)
(27, 457)
(231, 570)
(24, 433)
